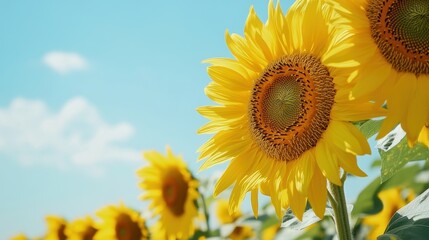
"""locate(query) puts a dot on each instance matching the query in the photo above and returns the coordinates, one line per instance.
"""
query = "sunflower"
(81, 229)
(391, 39)
(120, 223)
(283, 118)
(223, 214)
(224, 217)
(56, 228)
(20, 236)
(392, 199)
(173, 191)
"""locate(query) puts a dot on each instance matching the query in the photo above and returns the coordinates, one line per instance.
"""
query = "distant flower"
(392, 199)
(223, 214)
(56, 228)
(170, 187)
(120, 223)
(20, 236)
(81, 229)
(238, 230)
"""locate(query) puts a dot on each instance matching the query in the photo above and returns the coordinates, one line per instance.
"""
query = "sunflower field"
(307, 91)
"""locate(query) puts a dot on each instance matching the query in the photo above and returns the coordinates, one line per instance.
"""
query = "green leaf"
(411, 221)
(368, 201)
(397, 156)
(370, 127)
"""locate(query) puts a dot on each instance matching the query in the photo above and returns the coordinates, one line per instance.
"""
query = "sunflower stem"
(206, 214)
(341, 216)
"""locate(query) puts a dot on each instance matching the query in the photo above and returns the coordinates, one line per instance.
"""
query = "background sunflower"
(173, 192)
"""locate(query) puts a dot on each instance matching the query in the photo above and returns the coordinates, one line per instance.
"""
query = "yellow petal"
(371, 78)
(417, 114)
(327, 163)
(254, 199)
(318, 193)
(347, 137)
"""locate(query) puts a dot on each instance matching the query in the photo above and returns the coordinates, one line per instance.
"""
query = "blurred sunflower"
(81, 229)
(239, 231)
(120, 223)
(56, 228)
(392, 38)
(392, 199)
(173, 191)
(222, 213)
(284, 115)
(270, 232)
(20, 236)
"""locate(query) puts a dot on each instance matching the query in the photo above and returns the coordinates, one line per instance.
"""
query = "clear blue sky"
(86, 86)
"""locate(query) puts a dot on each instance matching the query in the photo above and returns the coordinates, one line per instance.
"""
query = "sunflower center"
(290, 106)
(400, 28)
(175, 191)
(126, 228)
(61, 232)
(89, 233)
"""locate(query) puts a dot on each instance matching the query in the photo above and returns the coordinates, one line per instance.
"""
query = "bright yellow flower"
(392, 200)
(120, 223)
(56, 228)
(223, 214)
(81, 229)
(284, 115)
(172, 190)
(241, 233)
(19, 237)
(391, 40)
(225, 217)
(270, 232)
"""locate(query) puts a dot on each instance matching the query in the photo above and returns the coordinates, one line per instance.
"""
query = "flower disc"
(175, 191)
(126, 228)
(290, 106)
(400, 28)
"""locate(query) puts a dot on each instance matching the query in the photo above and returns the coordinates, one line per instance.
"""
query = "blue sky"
(86, 86)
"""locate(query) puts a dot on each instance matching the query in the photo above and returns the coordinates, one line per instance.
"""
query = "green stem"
(206, 214)
(341, 216)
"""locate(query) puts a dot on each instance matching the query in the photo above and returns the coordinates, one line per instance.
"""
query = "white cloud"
(74, 136)
(64, 62)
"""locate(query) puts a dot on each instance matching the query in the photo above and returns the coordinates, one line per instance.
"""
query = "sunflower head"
(173, 191)
(81, 229)
(391, 41)
(56, 228)
(283, 114)
(120, 223)
(393, 199)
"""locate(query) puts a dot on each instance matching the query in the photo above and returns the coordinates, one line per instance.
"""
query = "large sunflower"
(56, 228)
(173, 191)
(81, 229)
(391, 38)
(284, 115)
(120, 223)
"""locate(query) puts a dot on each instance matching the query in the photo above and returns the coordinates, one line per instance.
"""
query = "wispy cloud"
(64, 62)
(74, 136)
